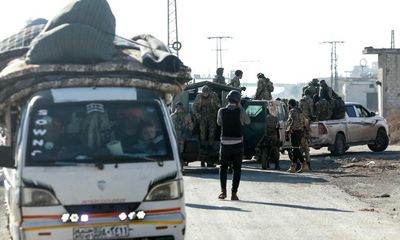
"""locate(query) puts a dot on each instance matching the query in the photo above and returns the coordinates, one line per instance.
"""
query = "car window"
(126, 131)
(350, 111)
(254, 110)
(361, 112)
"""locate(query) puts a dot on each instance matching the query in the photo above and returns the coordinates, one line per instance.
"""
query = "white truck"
(359, 127)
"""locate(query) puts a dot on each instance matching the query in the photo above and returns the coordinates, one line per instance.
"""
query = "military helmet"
(205, 89)
(234, 96)
(238, 72)
(220, 70)
(292, 103)
(315, 81)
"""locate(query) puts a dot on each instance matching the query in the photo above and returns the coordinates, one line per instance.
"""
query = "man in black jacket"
(231, 119)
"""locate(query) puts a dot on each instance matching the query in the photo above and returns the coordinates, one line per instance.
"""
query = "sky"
(280, 38)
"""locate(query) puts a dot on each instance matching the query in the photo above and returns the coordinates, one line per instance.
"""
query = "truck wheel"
(381, 141)
(339, 147)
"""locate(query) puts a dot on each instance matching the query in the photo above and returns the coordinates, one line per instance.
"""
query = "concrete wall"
(357, 91)
(389, 65)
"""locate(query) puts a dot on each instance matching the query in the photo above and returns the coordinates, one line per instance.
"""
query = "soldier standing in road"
(219, 78)
(294, 128)
(264, 88)
(183, 126)
(305, 147)
(205, 108)
(231, 119)
(269, 144)
(235, 82)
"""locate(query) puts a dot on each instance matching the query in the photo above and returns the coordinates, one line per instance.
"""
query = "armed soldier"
(235, 82)
(294, 129)
(264, 88)
(268, 149)
(305, 147)
(219, 78)
(306, 105)
(323, 109)
(205, 108)
(313, 87)
(183, 126)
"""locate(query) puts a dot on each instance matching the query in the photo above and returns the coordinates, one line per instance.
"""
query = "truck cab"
(94, 163)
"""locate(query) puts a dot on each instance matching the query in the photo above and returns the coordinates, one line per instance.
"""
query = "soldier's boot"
(292, 168)
(234, 197)
(223, 194)
(309, 165)
(298, 166)
(304, 168)
(277, 167)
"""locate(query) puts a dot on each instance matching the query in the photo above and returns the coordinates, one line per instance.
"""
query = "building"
(388, 79)
(361, 90)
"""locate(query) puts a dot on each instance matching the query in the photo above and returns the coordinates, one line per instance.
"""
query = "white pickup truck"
(359, 127)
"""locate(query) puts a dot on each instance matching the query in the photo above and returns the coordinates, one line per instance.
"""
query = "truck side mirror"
(7, 157)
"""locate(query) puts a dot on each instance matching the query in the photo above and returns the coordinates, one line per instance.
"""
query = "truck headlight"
(32, 197)
(166, 191)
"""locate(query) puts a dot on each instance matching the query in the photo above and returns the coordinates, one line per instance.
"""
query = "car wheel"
(381, 141)
(339, 147)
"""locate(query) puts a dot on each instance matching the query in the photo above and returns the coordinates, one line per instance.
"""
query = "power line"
(334, 64)
(219, 49)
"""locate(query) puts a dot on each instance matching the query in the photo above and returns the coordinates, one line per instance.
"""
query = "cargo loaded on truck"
(88, 147)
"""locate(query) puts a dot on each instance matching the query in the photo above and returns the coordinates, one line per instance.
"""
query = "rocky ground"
(374, 178)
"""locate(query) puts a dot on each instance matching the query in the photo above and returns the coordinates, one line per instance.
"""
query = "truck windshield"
(93, 132)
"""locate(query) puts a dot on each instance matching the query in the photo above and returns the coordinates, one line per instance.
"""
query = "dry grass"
(393, 120)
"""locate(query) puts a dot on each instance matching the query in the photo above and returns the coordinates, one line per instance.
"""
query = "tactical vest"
(231, 125)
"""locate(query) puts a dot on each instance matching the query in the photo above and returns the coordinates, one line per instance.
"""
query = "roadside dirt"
(373, 179)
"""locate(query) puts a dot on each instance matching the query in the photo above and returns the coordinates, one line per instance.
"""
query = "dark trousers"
(295, 139)
(231, 154)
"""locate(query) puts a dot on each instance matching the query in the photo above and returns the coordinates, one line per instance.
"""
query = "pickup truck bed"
(359, 127)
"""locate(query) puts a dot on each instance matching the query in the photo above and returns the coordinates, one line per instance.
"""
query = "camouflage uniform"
(306, 137)
(269, 145)
(205, 112)
(219, 78)
(295, 127)
(313, 87)
(183, 126)
(323, 110)
(235, 82)
(306, 105)
(264, 89)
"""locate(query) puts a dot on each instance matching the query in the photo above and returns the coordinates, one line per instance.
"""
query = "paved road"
(277, 205)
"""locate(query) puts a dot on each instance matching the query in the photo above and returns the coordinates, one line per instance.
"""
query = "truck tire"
(339, 147)
(381, 141)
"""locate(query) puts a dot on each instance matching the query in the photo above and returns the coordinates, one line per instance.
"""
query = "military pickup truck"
(359, 127)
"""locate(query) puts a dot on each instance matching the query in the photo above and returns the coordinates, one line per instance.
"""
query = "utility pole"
(219, 49)
(392, 40)
(334, 64)
(173, 42)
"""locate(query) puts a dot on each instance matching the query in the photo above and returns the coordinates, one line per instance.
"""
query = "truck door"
(354, 128)
(253, 132)
(367, 130)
